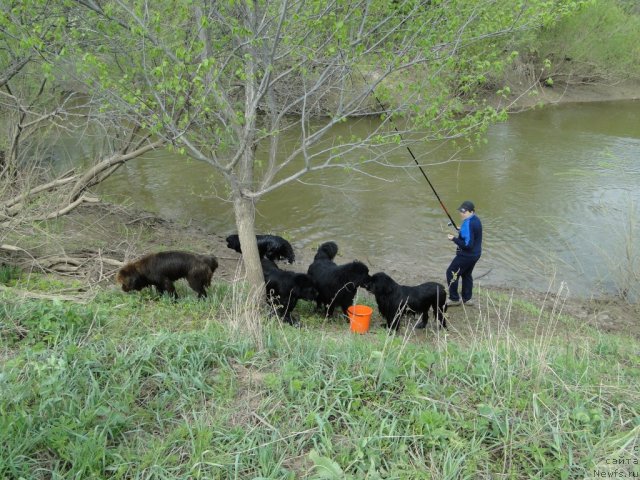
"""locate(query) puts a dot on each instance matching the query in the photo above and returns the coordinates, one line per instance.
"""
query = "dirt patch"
(532, 309)
(526, 93)
(118, 234)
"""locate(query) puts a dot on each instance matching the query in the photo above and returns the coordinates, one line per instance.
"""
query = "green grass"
(600, 42)
(8, 274)
(132, 386)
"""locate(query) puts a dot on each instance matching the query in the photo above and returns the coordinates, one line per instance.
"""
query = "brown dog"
(164, 268)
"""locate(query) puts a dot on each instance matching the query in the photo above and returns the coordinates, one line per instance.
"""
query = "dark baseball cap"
(467, 206)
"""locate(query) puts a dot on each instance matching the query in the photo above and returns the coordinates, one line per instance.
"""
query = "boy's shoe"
(453, 303)
(469, 303)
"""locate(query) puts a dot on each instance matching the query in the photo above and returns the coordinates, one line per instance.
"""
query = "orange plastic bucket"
(359, 317)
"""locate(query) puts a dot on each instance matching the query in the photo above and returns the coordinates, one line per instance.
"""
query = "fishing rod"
(451, 221)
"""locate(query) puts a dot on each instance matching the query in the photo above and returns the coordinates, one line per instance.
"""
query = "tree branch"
(96, 174)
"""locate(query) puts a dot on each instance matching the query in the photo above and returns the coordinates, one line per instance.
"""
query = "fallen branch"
(65, 260)
(14, 205)
(43, 296)
(66, 265)
(12, 248)
(77, 184)
(71, 206)
(58, 213)
(112, 262)
(106, 167)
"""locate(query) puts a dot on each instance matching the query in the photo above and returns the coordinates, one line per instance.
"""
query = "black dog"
(272, 247)
(284, 289)
(394, 300)
(337, 284)
(163, 268)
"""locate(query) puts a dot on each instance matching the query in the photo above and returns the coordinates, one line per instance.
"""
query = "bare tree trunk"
(244, 210)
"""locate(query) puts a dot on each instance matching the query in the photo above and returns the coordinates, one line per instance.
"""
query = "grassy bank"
(131, 386)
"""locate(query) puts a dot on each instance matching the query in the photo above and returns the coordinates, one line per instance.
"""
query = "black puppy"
(337, 284)
(272, 247)
(285, 288)
(394, 300)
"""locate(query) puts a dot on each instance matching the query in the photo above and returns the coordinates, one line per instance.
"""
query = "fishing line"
(424, 174)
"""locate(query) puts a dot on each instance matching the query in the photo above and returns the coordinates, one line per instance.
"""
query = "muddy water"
(557, 189)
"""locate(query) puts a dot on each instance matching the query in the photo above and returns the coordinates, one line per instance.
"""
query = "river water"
(557, 190)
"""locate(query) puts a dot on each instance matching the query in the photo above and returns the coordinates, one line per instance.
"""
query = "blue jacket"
(469, 241)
